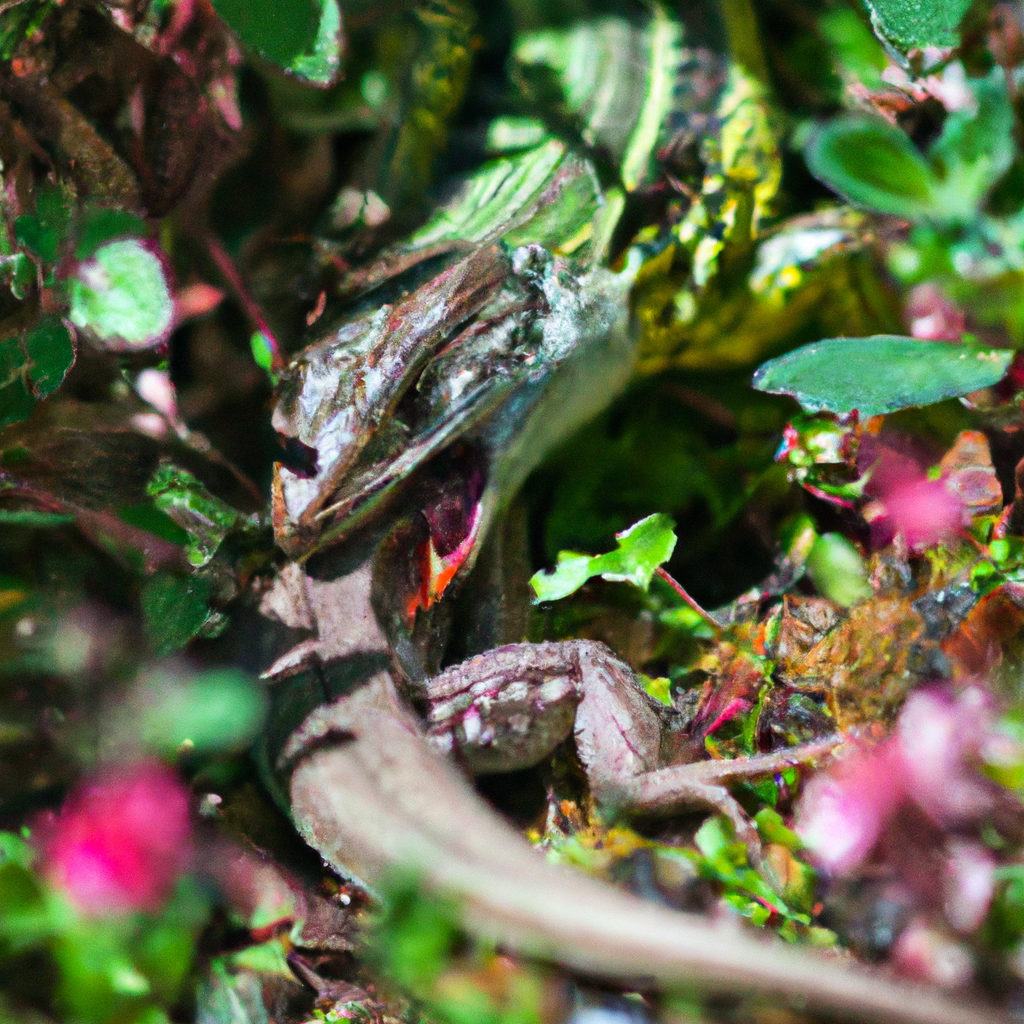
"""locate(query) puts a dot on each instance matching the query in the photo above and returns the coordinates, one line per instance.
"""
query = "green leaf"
(874, 165)
(98, 225)
(641, 549)
(612, 83)
(303, 37)
(175, 608)
(51, 353)
(916, 24)
(43, 231)
(975, 148)
(837, 570)
(219, 710)
(183, 499)
(880, 374)
(16, 401)
(33, 366)
(121, 297)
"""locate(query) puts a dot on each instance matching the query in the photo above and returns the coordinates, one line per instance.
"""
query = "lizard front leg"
(512, 706)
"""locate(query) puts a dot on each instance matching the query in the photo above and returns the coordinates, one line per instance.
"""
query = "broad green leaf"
(175, 608)
(874, 165)
(916, 24)
(880, 374)
(641, 549)
(303, 37)
(121, 297)
(218, 710)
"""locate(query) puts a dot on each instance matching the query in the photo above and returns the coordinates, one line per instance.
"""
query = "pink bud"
(120, 840)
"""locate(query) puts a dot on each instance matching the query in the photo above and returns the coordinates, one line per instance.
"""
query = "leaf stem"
(682, 592)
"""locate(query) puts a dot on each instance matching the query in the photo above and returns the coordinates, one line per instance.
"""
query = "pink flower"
(925, 511)
(928, 761)
(843, 812)
(120, 841)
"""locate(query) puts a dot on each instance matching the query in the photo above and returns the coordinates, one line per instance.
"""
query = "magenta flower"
(120, 841)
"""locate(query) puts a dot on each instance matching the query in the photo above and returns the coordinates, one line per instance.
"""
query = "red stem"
(681, 591)
(252, 310)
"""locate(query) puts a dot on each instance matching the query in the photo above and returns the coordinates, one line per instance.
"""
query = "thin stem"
(229, 271)
(681, 591)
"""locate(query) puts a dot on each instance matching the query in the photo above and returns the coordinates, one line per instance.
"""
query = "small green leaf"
(872, 164)
(302, 37)
(641, 549)
(121, 296)
(916, 24)
(43, 232)
(880, 374)
(975, 148)
(16, 401)
(772, 829)
(175, 608)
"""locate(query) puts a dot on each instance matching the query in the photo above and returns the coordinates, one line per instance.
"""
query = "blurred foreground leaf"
(121, 296)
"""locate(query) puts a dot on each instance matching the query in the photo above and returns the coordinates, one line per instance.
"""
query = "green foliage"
(216, 710)
(205, 519)
(843, 374)
(419, 945)
(722, 859)
(873, 164)
(121, 297)
(641, 549)
(32, 365)
(611, 83)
